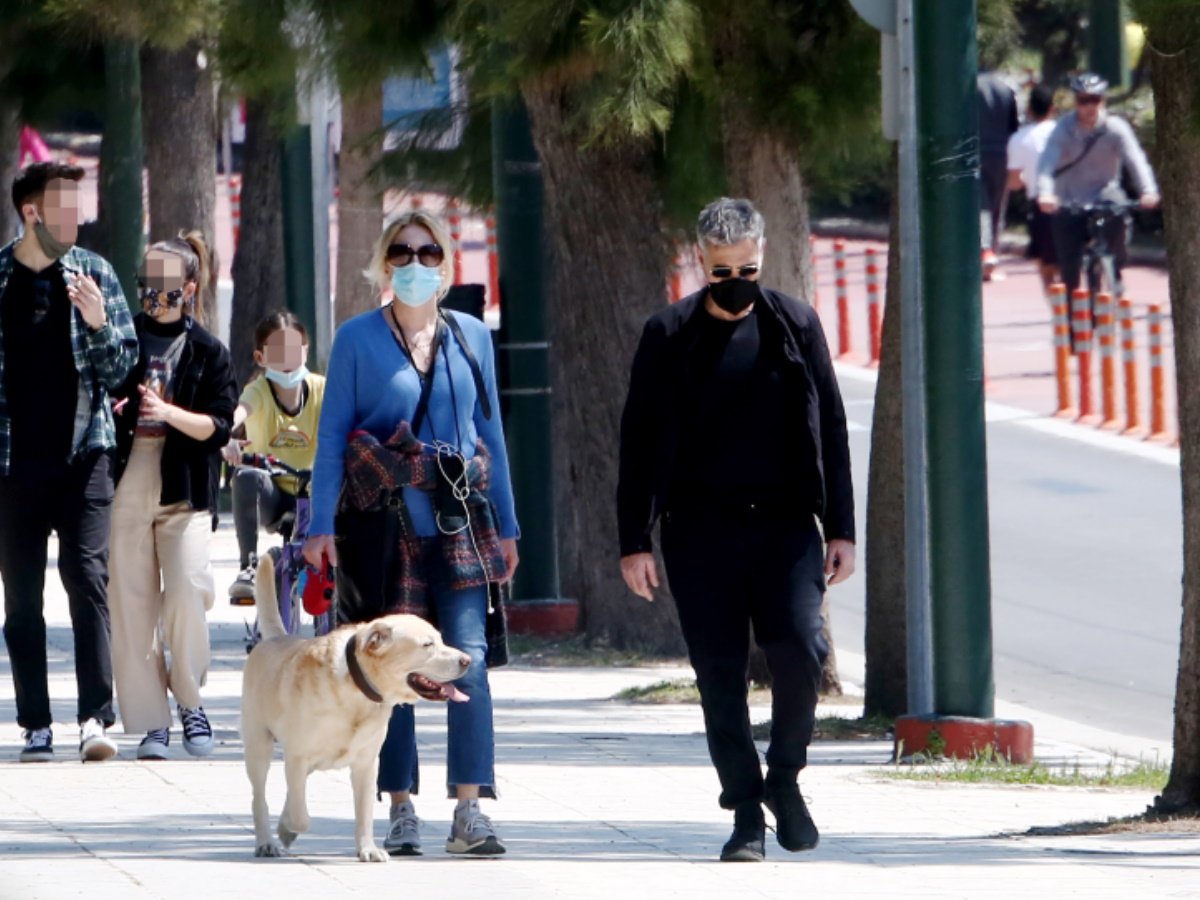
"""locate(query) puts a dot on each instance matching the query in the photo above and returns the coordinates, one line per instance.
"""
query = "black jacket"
(203, 383)
(651, 423)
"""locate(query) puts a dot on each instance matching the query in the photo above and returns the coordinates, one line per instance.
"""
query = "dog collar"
(361, 681)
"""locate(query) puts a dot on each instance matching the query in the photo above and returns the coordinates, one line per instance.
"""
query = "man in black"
(66, 339)
(734, 433)
(998, 120)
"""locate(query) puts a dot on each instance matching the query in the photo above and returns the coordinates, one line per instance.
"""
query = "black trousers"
(993, 187)
(75, 501)
(1070, 232)
(728, 570)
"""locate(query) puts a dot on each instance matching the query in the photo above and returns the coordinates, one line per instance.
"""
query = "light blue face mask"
(414, 284)
(290, 379)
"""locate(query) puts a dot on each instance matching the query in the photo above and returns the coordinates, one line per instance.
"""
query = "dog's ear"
(377, 637)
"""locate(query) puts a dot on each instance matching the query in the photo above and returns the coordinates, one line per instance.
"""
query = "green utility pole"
(524, 346)
(121, 163)
(298, 243)
(948, 177)
(1108, 54)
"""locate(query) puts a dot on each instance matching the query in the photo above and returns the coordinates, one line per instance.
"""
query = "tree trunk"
(360, 205)
(258, 270)
(886, 642)
(608, 258)
(10, 161)
(1175, 75)
(179, 121)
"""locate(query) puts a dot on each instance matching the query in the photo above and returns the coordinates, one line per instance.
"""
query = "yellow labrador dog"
(327, 700)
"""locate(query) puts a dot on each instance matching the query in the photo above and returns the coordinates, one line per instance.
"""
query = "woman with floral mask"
(410, 439)
(279, 414)
(173, 416)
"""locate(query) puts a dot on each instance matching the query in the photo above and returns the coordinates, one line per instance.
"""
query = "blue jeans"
(471, 754)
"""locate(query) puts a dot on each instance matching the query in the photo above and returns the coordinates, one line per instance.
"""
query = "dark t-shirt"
(161, 348)
(40, 378)
(741, 439)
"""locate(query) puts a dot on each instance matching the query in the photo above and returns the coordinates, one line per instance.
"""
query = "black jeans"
(75, 501)
(729, 569)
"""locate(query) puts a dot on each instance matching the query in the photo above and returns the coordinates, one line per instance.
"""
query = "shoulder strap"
(476, 372)
(1087, 148)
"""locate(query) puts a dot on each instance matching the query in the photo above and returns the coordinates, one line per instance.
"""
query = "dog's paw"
(287, 837)
(372, 854)
(269, 849)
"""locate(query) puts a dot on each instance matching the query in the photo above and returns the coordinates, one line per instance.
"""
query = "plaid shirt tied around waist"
(377, 472)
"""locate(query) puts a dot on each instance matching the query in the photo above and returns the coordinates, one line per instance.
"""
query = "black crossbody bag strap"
(476, 373)
(1096, 135)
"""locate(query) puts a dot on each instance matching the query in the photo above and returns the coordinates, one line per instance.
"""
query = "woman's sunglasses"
(727, 271)
(429, 255)
(159, 299)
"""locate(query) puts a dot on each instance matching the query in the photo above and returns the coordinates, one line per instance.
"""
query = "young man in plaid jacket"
(66, 340)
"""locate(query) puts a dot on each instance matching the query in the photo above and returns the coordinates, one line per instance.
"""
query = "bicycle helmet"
(1089, 83)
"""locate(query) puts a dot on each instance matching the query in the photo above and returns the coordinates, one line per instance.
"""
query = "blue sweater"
(371, 385)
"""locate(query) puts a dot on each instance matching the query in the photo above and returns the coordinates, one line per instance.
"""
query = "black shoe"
(748, 842)
(793, 825)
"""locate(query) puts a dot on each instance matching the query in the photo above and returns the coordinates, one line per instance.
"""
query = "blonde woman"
(412, 388)
(173, 417)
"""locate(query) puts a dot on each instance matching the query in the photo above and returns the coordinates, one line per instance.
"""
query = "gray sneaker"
(472, 833)
(404, 832)
(39, 746)
(197, 732)
(94, 744)
(155, 745)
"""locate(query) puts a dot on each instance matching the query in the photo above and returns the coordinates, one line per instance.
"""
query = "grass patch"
(838, 728)
(681, 690)
(575, 651)
(990, 769)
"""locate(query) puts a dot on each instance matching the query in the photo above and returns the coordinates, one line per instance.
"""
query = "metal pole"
(1108, 54)
(916, 516)
(121, 167)
(524, 346)
(298, 244)
(948, 168)
(319, 98)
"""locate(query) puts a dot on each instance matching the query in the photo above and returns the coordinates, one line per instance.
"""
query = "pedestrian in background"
(176, 411)
(734, 434)
(66, 341)
(1024, 150)
(998, 120)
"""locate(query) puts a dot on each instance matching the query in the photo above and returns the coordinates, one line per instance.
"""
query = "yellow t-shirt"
(269, 429)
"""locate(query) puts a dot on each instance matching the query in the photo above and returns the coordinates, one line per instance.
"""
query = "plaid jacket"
(103, 358)
(375, 475)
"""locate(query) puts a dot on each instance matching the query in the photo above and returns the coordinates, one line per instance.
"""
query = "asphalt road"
(1086, 562)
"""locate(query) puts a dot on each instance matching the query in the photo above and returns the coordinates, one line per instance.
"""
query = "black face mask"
(734, 295)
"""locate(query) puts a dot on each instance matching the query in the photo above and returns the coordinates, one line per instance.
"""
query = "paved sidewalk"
(598, 799)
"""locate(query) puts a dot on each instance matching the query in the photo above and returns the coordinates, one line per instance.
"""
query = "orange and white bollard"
(1106, 332)
(235, 206)
(843, 298)
(1081, 327)
(874, 307)
(1062, 351)
(1158, 379)
(1133, 422)
(493, 258)
(454, 217)
(816, 293)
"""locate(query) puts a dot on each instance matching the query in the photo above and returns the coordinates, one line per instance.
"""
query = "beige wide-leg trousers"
(160, 587)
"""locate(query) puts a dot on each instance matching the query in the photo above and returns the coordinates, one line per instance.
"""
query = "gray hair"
(729, 221)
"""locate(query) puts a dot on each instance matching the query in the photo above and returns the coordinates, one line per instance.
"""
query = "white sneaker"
(404, 831)
(472, 833)
(94, 744)
(197, 733)
(39, 746)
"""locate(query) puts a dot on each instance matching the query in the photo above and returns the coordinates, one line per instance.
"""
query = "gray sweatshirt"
(1098, 175)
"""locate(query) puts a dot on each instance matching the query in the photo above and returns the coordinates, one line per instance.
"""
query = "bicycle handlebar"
(1107, 206)
(269, 463)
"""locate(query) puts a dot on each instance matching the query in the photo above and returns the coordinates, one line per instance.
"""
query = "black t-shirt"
(40, 378)
(742, 435)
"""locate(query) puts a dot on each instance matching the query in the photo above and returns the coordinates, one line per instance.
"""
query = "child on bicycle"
(279, 414)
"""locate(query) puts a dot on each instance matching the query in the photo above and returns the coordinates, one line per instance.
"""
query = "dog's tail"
(270, 622)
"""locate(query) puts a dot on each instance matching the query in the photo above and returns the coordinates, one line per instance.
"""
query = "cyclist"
(1081, 166)
(279, 413)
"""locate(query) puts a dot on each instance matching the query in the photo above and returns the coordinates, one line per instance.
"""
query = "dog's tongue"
(450, 692)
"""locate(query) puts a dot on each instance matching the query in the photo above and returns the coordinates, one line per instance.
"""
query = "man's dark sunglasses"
(1087, 100)
(727, 271)
(429, 255)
